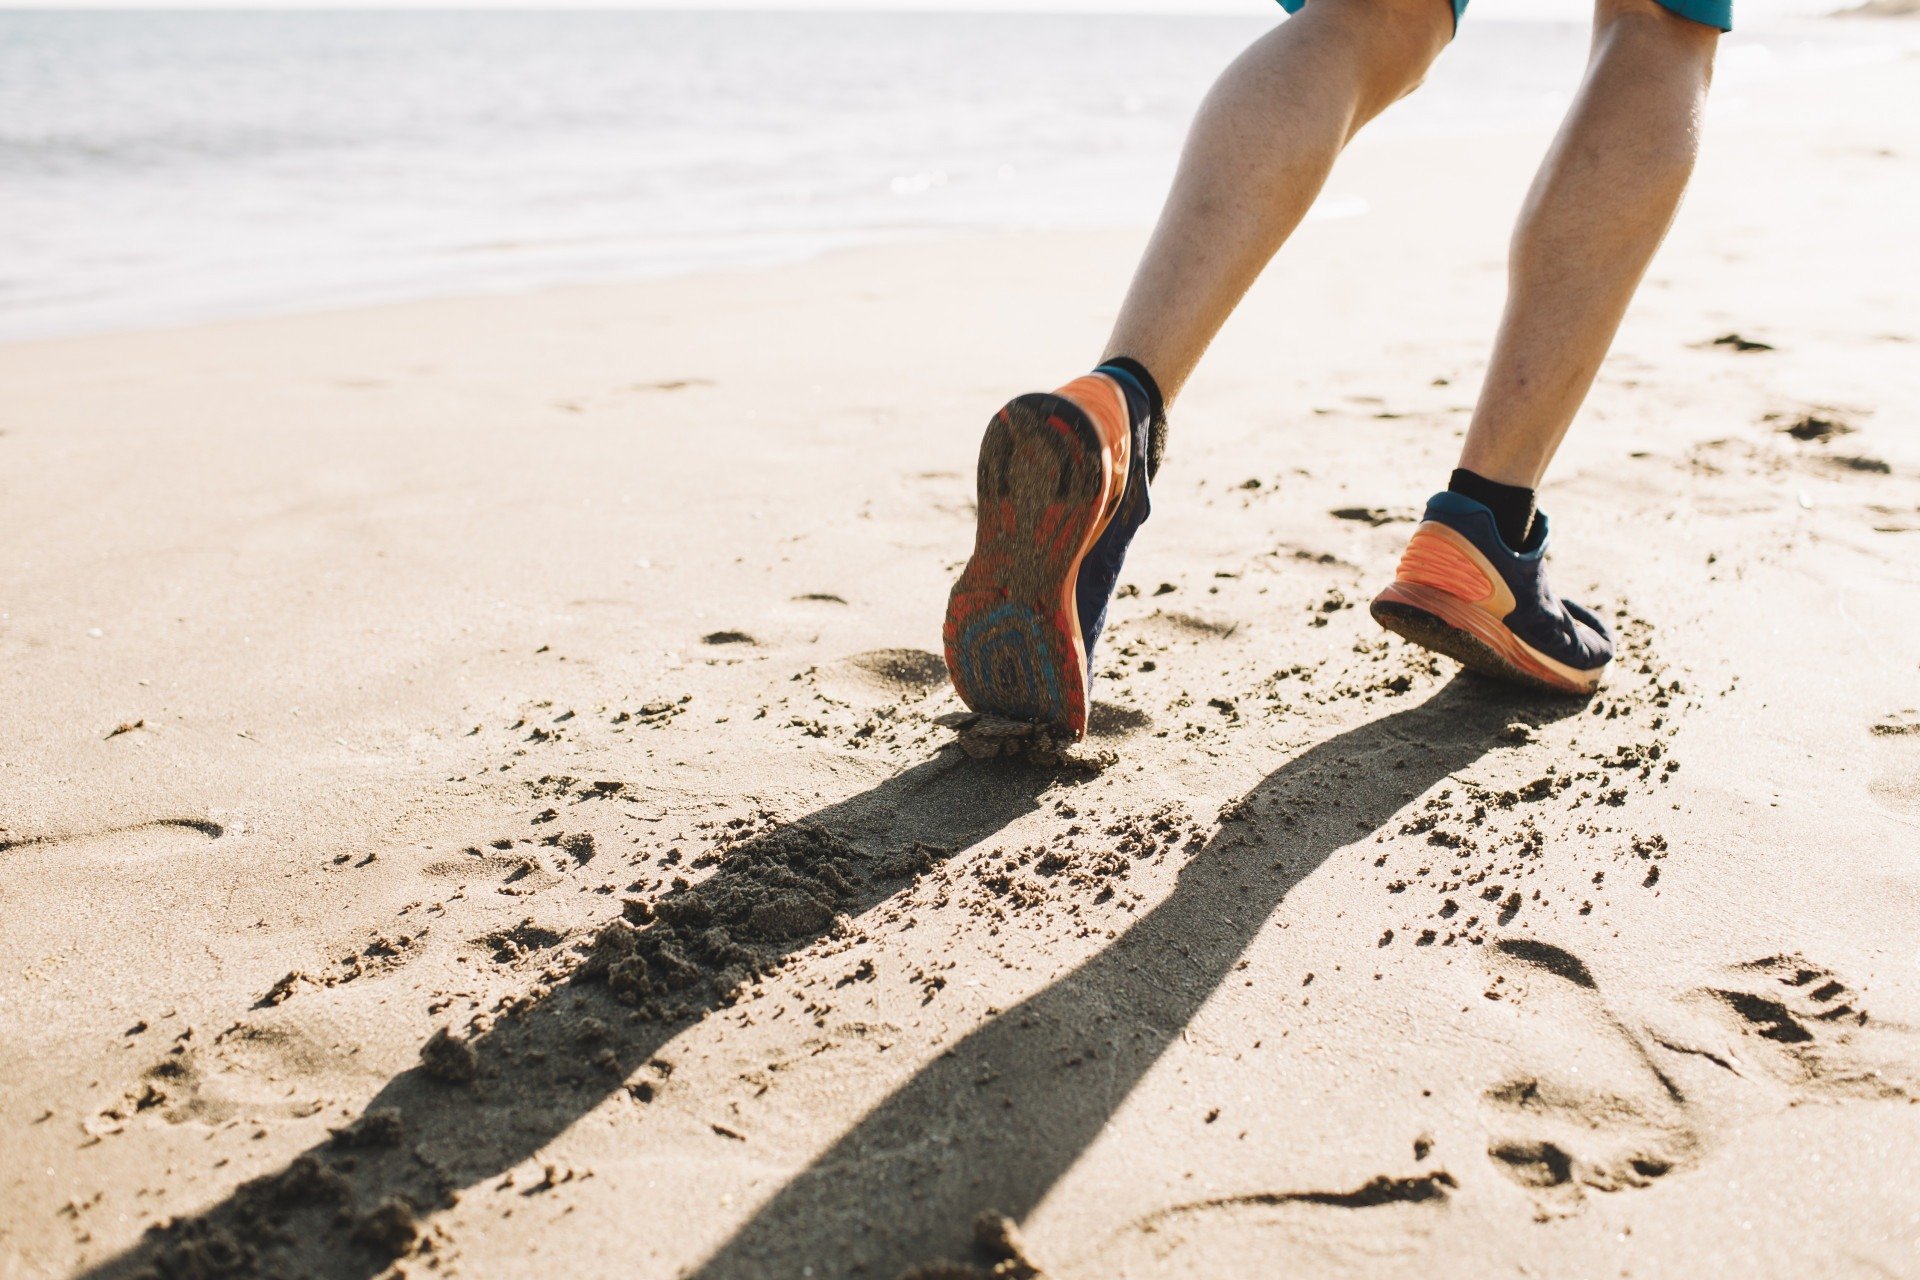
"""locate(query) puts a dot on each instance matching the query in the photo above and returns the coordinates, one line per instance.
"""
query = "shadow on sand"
(990, 1125)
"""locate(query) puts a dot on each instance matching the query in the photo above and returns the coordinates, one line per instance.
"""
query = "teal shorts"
(1708, 13)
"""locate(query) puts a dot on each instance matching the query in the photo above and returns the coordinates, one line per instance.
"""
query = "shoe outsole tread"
(1434, 633)
(1012, 632)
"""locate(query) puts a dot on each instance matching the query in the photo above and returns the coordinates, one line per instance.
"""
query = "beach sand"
(472, 790)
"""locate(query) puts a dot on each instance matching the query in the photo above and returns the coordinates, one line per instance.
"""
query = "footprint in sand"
(1607, 1116)
(524, 945)
(1780, 1023)
(1785, 1019)
(498, 860)
(881, 677)
(1896, 744)
(251, 1071)
(139, 841)
(372, 954)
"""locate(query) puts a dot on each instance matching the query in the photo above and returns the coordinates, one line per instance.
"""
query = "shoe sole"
(1012, 633)
(1440, 619)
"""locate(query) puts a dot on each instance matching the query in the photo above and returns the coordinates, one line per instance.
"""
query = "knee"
(1649, 30)
(1402, 38)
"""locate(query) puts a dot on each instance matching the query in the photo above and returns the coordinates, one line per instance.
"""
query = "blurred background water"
(164, 167)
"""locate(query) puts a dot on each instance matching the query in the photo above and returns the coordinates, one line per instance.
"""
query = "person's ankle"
(1144, 403)
(1512, 505)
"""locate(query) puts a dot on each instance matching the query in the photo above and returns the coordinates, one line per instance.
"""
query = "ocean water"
(160, 168)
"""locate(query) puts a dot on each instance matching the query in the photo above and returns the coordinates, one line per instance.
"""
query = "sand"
(479, 797)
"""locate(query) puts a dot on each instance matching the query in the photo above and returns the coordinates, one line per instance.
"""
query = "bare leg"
(1061, 495)
(1602, 202)
(1258, 153)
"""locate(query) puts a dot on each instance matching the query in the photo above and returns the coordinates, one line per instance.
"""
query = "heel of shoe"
(1439, 558)
(1012, 632)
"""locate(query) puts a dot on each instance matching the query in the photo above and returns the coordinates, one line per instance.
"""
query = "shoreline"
(1745, 60)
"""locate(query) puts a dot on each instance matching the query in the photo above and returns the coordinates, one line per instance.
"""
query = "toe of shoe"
(1591, 634)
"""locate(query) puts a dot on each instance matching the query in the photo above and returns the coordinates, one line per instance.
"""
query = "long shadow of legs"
(344, 1208)
(992, 1124)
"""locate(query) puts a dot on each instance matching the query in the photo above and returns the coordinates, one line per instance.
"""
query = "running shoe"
(1062, 489)
(1463, 592)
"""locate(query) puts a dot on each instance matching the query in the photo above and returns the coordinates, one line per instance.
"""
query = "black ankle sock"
(1511, 505)
(1155, 407)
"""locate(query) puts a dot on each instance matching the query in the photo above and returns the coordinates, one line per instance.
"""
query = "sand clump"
(999, 1254)
(448, 1058)
(991, 737)
(381, 1127)
(389, 1228)
(695, 946)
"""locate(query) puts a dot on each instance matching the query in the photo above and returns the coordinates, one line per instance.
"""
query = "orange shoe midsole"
(1443, 574)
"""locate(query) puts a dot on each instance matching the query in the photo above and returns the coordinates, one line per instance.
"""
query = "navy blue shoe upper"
(1100, 570)
(1561, 629)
